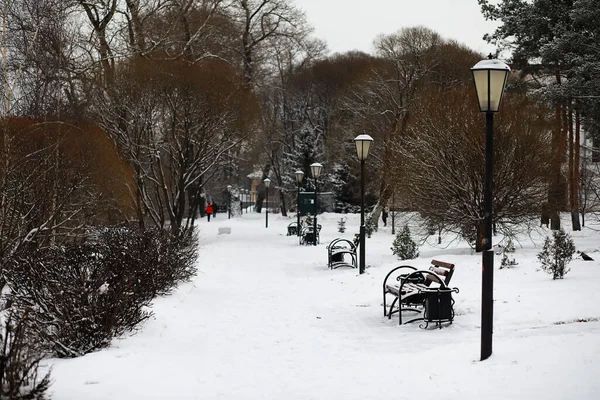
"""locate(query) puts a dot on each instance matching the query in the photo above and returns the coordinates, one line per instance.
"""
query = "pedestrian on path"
(384, 215)
(209, 211)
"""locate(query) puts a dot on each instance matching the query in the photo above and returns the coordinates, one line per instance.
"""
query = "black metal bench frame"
(336, 251)
(292, 229)
(414, 293)
(306, 235)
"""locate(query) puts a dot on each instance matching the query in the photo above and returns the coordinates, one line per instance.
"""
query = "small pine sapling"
(342, 225)
(506, 261)
(557, 253)
(370, 225)
(309, 220)
(404, 247)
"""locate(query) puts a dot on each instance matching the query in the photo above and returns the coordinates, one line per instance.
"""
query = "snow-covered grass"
(266, 319)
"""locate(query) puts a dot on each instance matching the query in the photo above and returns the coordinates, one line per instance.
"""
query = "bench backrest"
(443, 269)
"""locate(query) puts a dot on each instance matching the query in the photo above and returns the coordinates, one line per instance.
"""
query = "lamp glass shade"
(299, 176)
(490, 78)
(315, 169)
(267, 182)
(363, 143)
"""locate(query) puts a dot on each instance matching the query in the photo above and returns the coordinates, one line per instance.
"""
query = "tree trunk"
(260, 198)
(573, 175)
(557, 190)
(283, 206)
(576, 173)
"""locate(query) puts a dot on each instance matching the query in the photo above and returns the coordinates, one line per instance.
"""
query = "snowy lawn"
(266, 319)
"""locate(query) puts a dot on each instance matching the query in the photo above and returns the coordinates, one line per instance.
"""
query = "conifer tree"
(404, 246)
(557, 253)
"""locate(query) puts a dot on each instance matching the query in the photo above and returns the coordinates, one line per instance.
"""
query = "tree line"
(195, 95)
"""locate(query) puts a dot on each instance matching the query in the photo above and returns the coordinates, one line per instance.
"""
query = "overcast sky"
(353, 24)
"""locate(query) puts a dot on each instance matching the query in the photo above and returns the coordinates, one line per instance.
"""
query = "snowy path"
(266, 319)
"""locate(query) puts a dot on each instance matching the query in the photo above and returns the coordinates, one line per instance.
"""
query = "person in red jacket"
(209, 211)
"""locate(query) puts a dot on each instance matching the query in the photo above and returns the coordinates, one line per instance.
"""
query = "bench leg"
(392, 307)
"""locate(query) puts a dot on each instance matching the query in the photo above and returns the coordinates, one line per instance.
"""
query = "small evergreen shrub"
(507, 262)
(557, 253)
(342, 225)
(370, 225)
(309, 220)
(508, 248)
(404, 247)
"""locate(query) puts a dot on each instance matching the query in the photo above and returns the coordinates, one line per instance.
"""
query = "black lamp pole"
(490, 77)
(315, 169)
(363, 143)
(299, 176)
(487, 277)
(267, 182)
(361, 268)
(316, 213)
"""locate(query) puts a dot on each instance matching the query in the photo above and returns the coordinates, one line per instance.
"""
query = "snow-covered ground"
(266, 319)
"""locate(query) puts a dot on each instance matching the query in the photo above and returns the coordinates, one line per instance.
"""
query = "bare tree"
(382, 106)
(444, 155)
(173, 129)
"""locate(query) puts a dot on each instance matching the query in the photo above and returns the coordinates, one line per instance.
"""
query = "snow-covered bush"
(20, 357)
(557, 253)
(82, 295)
(404, 247)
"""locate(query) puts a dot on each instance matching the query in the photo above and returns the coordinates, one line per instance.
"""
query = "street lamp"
(490, 78)
(228, 201)
(363, 143)
(315, 169)
(299, 176)
(267, 182)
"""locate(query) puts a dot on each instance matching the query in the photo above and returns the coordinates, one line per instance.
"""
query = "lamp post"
(228, 201)
(299, 176)
(490, 78)
(315, 169)
(267, 182)
(363, 143)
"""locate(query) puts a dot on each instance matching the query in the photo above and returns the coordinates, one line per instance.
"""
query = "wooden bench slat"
(442, 264)
(408, 287)
(439, 271)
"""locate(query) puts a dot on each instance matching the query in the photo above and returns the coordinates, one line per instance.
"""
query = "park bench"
(292, 229)
(425, 292)
(308, 235)
(338, 249)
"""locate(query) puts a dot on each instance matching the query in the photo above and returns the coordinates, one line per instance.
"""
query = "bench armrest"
(408, 267)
